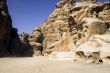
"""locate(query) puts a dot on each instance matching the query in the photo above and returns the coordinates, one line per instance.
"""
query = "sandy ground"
(45, 65)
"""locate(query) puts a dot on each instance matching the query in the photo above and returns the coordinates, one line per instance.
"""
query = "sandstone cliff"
(71, 24)
(10, 44)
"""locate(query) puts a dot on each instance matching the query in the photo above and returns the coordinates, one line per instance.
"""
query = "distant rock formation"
(36, 41)
(10, 44)
(71, 25)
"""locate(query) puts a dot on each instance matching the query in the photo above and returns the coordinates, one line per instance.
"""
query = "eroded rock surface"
(72, 26)
(95, 49)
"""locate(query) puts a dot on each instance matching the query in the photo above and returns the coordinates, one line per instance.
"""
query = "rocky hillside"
(73, 25)
(10, 44)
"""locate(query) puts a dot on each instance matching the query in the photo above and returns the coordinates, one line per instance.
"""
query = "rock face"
(10, 44)
(36, 40)
(72, 25)
(5, 28)
(96, 48)
(56, 29)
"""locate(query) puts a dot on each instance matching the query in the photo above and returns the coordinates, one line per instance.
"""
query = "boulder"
(96, 48)
(90, 27)
(37, 48)
(89, 24)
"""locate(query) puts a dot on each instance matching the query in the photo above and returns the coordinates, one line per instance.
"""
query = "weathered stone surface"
(90, 27)
(72, 24)
(96, 48)
(36, 41)
(71, 27)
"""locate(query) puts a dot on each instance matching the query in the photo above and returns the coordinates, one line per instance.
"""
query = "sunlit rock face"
(90, 27)
(72, 24)
(10, 43)
(95, 49)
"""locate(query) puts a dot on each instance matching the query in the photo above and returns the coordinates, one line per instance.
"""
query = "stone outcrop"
(90, 27)
(10, 44)
(95, 49)
(71, 26)
(36, 41)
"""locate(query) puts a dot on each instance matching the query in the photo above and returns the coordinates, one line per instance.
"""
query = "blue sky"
(27, 14)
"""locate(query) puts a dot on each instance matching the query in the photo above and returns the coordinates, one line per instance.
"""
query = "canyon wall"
(71, 25)
(10, 44)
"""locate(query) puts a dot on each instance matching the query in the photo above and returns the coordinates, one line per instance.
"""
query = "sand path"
(45, 65)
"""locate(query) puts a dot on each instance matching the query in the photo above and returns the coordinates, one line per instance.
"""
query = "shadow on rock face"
(17, 48)
(5, 29)
(27, 50)
(10, 43)
(20, 48)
